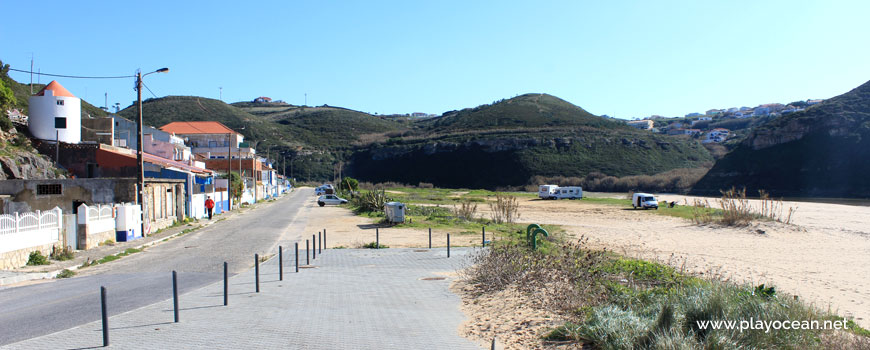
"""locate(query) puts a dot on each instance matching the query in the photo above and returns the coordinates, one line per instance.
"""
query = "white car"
(330, 199)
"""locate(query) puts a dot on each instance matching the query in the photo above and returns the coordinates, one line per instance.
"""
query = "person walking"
(209, 205)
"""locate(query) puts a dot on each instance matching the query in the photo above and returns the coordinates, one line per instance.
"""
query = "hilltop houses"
(645, 124)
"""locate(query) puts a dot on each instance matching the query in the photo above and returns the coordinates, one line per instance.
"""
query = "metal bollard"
(105, 316)
(319, 244)
(313, 248)
(430, 238)
(307, 255)
(296, 246)
(493, 343)
(226, 285)
(257, 271)
(377, 239)
(280, 263)
(175, 295)
(448, 245)
(483, 237)
(324, 239)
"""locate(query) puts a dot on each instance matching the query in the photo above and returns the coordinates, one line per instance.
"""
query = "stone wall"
(88, 240)
(18, 258)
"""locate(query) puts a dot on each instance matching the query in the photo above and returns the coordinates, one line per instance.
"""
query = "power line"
(74, 76)
(149, 89)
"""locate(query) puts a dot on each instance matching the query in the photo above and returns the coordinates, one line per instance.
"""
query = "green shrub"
(66, 273)
(374, 245)
(63, 254)
(36, 258)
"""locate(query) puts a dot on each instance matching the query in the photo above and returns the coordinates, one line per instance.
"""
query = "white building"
(55, 113)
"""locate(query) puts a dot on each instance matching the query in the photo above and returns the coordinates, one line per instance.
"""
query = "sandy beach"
(823, 256)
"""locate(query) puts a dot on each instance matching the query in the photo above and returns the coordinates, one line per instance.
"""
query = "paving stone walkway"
(348, 299)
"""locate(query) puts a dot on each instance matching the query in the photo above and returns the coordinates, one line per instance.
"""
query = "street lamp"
(140, 174)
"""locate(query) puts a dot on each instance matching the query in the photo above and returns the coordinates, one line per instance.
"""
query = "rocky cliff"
(18, 159)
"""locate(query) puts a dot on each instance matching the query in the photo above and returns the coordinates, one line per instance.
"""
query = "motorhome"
(570, 192)
(644, 200)
(548, 191)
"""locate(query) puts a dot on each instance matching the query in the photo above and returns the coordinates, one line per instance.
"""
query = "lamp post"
(140, 175)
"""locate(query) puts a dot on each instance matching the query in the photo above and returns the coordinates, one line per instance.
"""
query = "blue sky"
(622, 58)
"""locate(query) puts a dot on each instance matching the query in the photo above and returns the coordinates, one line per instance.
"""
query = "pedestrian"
(209, 205)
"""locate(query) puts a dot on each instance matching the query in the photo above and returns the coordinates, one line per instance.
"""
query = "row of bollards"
(318, 242)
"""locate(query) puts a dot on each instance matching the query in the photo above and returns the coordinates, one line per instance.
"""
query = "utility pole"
(31, 73)
(229, 171)
(221, 93)
(140, 175)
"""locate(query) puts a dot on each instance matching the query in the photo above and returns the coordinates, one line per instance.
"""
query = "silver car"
(330, 199)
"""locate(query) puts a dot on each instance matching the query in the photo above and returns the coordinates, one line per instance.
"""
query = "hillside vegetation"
(819, 152)
(503, 144)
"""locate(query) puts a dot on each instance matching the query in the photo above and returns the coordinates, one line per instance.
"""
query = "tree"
(349, 184)
(236, 185)
(7, 102)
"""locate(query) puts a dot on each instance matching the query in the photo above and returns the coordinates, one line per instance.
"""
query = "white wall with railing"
(98, 218)
(30, 229)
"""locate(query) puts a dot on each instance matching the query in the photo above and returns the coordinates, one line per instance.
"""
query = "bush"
(66, 273)
(36, 258)
(370, 201)
(504, 209)
(63, 254)
(374, 245)
(467, 210)
(5, 123)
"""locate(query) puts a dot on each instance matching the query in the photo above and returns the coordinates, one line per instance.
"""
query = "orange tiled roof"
(197, 128)
(56, 88)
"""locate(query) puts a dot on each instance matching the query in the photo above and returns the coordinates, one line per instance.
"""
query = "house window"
(48, 189)
(60, 102)
(60, 123)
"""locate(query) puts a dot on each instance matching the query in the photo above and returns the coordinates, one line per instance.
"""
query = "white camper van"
(571, 192)
(548, 191)
(644, 200)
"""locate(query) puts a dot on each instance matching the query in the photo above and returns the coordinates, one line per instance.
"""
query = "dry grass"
(467, 210)
(737, 209)
(505, 209)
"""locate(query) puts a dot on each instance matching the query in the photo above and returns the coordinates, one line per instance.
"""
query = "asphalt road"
(145, 278)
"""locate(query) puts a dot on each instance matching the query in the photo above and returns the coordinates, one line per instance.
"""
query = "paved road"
(145, 278)
(353, 299)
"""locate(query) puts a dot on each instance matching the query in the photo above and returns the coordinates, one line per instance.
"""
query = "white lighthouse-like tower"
(55, 113)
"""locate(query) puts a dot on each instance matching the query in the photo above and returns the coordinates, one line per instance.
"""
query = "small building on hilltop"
(645, 124)
(262, 99)
(55, 114)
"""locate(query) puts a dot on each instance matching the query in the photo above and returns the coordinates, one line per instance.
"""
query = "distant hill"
(823, 151)
(525, 111)
(22, 93)
(508, 142)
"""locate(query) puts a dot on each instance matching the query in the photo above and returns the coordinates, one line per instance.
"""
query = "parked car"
(323, 190)
(644, 200)
(330, 199)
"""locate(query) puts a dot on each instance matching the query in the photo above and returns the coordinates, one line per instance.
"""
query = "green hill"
(820, 152)
(506, 143)
(525, 111)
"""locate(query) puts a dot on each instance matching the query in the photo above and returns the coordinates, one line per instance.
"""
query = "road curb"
(6, 282)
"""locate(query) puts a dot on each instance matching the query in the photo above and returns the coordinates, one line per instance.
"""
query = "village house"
(645, 124)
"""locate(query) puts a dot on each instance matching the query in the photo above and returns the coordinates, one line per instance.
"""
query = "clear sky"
(622, 58)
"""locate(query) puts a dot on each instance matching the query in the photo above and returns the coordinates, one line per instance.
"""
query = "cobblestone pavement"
(347, 299)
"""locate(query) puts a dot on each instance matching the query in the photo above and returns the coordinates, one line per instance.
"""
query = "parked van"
(548, 191)
(644, 200)
(571, 192)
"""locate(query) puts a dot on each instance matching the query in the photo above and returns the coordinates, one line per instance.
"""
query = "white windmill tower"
(55, 113)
